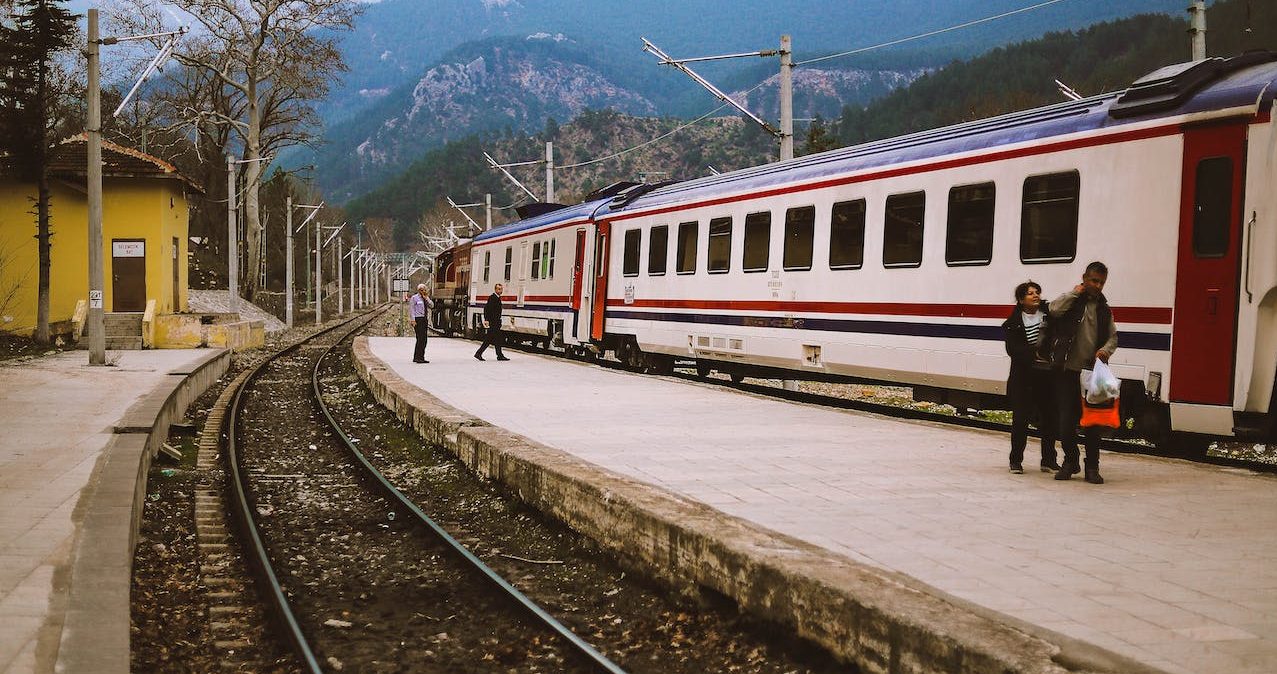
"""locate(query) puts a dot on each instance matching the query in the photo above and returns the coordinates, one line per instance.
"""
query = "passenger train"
(894, 261)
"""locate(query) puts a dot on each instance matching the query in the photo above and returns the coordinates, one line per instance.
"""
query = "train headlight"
(1154, 385)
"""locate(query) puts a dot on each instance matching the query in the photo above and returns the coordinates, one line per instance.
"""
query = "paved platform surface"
(56, 417)
(1170, 563)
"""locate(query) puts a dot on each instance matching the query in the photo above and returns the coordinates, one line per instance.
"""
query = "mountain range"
(424, 73)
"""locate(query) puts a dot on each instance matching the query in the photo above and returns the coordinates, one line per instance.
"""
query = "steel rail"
(268, 581)
(577, 643)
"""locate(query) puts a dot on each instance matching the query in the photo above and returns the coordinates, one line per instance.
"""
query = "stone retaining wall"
(95, 634)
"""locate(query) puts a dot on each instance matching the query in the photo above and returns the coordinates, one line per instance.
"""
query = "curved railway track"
(324, 535)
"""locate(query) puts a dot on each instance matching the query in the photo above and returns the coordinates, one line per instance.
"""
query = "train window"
(800, 229)
(758, 234)
(536, 260)
(847, 235)
(720, 245)
(658, 248)
(687, 232)
(630, 261)
(487, 264)
(509, 257)
(1048, 217)
(969, 236)
(902, 230)
(1213, 207)
(548, 270)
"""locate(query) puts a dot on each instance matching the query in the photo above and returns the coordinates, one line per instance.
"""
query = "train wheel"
(703, 369)
(738, 377)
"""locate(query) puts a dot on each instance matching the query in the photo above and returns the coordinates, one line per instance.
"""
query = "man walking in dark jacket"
(1082, 330)
(492, 321)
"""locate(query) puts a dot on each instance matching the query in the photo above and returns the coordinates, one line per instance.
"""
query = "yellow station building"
(144, 238)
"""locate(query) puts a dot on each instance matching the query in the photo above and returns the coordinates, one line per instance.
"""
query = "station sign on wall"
(128, 249)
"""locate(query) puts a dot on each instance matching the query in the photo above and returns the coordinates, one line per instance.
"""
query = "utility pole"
(1197, 29)
(337, 259)
(94, 319)
(288, 262)
(319, 274)
(487, 201)
(232, 237)
(786, 98)
(549, 172)
(93, 129)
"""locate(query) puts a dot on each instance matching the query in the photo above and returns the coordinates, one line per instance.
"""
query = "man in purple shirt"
(420, 305)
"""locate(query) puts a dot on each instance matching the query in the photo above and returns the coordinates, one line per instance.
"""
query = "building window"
(800, 230)
(969, 234)
(509, 257)
(687, 247)
(1048, 217)
(720, 245)
(1212, 207)
(658, 246)
(758, 234)
(536, 260)
(847, 235)
(487, 264)
(630, 260)
(902, 230)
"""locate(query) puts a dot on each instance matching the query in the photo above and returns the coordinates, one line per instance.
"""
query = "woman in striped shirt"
(1028, 385)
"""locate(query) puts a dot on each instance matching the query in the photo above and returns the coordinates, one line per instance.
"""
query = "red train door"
(1204, 335)
(600, 278)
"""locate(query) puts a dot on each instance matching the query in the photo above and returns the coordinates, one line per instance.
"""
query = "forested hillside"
(1106, 57)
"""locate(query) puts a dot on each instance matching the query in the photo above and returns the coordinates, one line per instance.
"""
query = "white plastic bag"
(1100, 385)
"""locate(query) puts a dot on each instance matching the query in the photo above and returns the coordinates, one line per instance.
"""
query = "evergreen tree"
(34, 35)
(819, 138)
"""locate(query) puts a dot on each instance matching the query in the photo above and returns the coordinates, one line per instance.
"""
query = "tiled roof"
(70, 159)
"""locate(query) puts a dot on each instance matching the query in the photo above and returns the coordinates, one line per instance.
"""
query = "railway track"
(353, 570)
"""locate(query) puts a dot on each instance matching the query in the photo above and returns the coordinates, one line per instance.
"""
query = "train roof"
(1185, 89)
(573, 212)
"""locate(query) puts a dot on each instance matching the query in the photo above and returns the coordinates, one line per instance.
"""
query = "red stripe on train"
(1150, 315)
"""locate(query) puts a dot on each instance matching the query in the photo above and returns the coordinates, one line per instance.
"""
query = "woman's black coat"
(1023, 355)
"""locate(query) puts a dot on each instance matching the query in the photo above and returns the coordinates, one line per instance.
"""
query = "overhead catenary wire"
(938, 31)
(860, 50)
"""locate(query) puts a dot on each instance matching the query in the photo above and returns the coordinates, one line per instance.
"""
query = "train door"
(601, 237)
(1204, 335)
(578, 281)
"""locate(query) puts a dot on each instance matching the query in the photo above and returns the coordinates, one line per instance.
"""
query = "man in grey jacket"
(1082, 330)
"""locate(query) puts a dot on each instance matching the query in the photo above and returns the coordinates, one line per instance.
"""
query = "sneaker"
(1064, 473)
(1093, 476)
(502, 358)
(478, 357)
(1017, 469)
(1050, 467)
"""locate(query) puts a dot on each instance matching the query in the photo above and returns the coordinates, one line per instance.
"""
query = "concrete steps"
(123, 332)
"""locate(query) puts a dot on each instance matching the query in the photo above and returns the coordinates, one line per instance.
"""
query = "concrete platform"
(77, 441)
(871, 527)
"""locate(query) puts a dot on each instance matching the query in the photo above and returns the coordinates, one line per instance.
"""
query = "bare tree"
(271, 59)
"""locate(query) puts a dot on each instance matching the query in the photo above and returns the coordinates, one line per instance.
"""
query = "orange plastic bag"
(1104, 414)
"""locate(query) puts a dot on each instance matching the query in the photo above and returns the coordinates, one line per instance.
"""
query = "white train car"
(895, 261)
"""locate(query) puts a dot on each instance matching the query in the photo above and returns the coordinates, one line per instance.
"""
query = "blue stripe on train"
(1151, 341)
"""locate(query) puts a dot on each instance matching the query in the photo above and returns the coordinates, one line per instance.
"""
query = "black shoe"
(1017, 469)
(502, 358)
(1064, 473)
(1050, 467)
(478, 357)
(1093, 476)
(420, 360)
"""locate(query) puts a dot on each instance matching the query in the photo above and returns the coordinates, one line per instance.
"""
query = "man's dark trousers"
(422, 327)
(493, 338)
(1068, 398)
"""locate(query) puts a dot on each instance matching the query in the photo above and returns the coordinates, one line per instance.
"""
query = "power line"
(930, 33)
